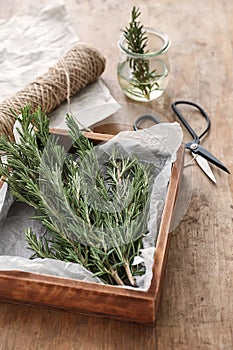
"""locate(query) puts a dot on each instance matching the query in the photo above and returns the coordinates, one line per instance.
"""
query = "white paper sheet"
(29, 45)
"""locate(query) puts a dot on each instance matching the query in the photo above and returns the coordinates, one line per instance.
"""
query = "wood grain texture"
(197, 308)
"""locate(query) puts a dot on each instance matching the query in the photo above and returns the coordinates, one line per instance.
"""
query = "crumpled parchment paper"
(30, 44)
(158, 144)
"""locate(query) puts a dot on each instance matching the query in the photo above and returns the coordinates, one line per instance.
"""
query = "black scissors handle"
(143, 118)
(196, 138)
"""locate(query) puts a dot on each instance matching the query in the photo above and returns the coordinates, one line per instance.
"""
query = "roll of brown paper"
(79, 67)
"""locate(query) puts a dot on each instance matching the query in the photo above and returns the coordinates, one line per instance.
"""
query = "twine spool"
(79, 67)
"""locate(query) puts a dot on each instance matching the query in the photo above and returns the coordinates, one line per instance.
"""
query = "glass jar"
(144, 77)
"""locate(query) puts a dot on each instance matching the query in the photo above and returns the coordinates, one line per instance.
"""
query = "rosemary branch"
(94, 214)
(136, 39)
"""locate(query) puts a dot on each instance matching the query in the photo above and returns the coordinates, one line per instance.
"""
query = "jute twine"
(78, 68)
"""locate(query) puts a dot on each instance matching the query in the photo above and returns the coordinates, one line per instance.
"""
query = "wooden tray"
(91, 298)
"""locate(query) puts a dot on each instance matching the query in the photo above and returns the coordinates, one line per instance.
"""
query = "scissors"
(202, 156)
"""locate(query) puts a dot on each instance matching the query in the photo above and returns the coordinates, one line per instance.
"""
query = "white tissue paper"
(158, 144)
(30, 44)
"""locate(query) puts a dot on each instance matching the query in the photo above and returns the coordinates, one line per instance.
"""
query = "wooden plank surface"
(197, 308)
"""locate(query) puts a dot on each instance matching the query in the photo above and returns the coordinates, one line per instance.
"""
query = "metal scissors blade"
(204, 165)
(210, 157)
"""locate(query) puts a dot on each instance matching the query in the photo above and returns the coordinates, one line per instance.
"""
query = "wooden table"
(197, 308)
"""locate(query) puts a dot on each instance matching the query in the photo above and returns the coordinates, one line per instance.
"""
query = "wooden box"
(91, 298)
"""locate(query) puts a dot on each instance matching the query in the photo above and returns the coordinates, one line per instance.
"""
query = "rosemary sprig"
(136, 39)
(94, 214)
